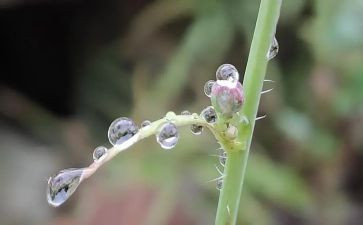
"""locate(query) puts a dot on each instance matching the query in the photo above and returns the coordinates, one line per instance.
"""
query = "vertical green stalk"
(253, 81)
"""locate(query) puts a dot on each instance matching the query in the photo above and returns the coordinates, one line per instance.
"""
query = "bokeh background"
(70, 67)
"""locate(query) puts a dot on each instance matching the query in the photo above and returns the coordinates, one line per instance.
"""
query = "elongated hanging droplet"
(209, 114)
(208, 87)
(227, 72)
(196, 129)
(219, 184)
(168, 136)
(62, 186)
(273, 50)
(99, 153)
(185, 113)
(145, 123)
(121, 130)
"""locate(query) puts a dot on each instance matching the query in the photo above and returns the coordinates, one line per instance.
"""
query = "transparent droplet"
(219, 184)
(185, 113)
(273, 50)
(196, 129)
(145, 123)
(209, 114)
(227, 72)
(222, 156)
(62, 186)
(99, 153)
(168, 136)
(170, 116)
(208, 87)
(121, 130)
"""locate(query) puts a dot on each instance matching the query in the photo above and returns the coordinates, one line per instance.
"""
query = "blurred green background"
(69, 68)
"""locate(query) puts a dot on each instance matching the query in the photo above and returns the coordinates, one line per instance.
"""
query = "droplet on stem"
(227, 72)
(209, 114)
(219, 184)
(121, 130)
(208, 87)
(168, 136)
(145, 123)
(196, 129)
(99, 153)
(62, 185)
(273, 50)
(222, 156)
(185, 113)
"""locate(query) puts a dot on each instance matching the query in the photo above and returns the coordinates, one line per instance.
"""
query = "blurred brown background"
(68, 68)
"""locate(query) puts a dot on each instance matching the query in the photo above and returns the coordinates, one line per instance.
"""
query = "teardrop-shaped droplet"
(219, 184)
(209, 114)
(62, 186)
(196, 129)
(121, 130)
(185, 113)
(168, 136)
(99, 153)
(208, 87)
(145, 123)
(273, 50)
(227, 72)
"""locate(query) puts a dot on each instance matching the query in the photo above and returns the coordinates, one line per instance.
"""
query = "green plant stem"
(253, 81)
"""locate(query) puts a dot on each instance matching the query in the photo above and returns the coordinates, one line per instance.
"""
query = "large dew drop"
(208, 87)
(62, 186)
(227, 72)
(121, 130)
(273, 50)
(168, 136)
(99, 153)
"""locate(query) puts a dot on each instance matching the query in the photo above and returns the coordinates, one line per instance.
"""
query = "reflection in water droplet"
(62, 186)
(273, 50)
(185, 113)
(227, 72)
(219, 184)
(196, 129)
(222, 156)
(99, 153)
(168, 136)
(209, 114)
(208, 87)
(145, 123)
(121, 130)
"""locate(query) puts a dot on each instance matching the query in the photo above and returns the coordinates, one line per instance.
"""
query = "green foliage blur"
(307, 154)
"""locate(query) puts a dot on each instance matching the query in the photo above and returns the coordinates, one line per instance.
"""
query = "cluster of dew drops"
(121, 131)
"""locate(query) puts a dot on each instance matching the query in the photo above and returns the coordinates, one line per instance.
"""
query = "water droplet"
(121, 130)
(209, 114)
(170, 115)
(62, 186)
(196, 129)
(99, 153)
(222, 156)
(227, 72)
(208, 87)
(145, 123)
(185, 113)
(273, 50)
(231, 132)
(168, 136)
(219, 184)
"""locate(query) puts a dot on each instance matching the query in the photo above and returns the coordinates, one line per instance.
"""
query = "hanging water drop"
(168, 136)
(62, 186)
(196, 129)
(208, 87)
(185, 113)
(145, 123)
(219, 184)
(209, 114)
(227, 72)
(222, 155)
(121, 130)
(273, 50)
(99, 153)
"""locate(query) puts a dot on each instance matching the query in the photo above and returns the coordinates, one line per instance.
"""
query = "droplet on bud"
(99, 153)
(121, 130)
(62, 186)
(227, 98)
(208, 87)
(219, 184)
(145, 123)
(185, 113)
(227, 72)
(196, 129)
(273, 50)
(209, 114)
(168, 136)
